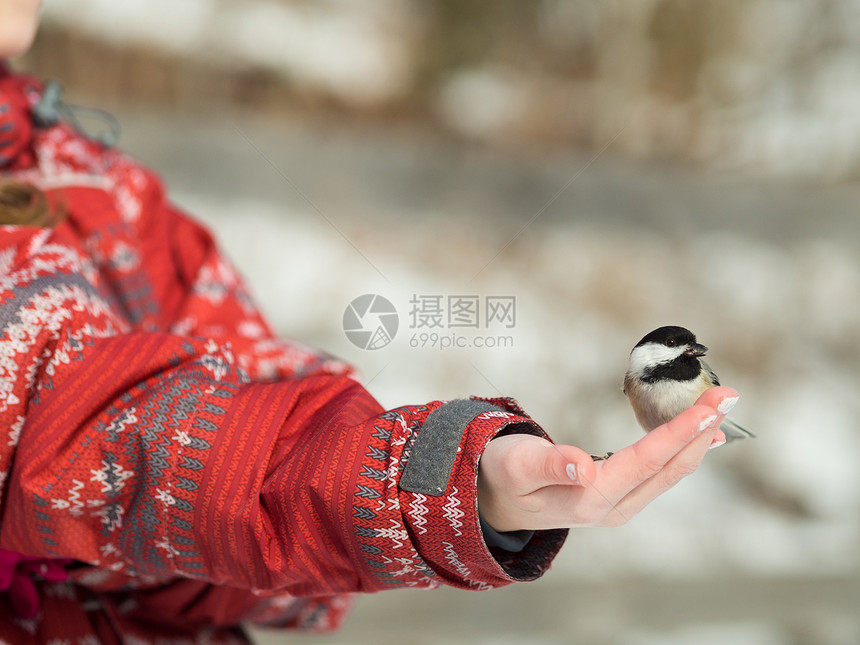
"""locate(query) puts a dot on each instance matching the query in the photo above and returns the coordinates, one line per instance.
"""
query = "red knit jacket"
(187, 469)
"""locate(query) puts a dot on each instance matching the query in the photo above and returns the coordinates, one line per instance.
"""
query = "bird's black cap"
(680, 336)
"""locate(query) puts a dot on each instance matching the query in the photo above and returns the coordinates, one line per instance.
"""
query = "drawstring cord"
(50, 108)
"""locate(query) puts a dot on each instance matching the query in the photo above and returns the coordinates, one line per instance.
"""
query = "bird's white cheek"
(648, 356)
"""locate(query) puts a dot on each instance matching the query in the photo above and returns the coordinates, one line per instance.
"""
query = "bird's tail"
(734, 431)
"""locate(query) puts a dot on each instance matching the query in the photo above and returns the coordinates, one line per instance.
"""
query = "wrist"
(511, 541)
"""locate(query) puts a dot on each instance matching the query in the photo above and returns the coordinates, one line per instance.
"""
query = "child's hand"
(523, 480)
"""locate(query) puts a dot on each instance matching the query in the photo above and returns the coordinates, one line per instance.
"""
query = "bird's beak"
(696, 349)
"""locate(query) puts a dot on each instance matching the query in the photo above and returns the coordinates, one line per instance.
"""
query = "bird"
(666, 375)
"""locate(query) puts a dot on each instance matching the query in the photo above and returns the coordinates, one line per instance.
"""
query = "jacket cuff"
(439, 488)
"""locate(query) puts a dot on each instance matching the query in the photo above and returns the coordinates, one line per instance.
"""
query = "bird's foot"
(603, 458)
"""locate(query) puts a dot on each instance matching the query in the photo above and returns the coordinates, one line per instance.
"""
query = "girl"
(169, 469)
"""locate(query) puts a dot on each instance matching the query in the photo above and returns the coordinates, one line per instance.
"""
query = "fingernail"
(707, 422)
(727, 404)
(572, 472)
(716, 443)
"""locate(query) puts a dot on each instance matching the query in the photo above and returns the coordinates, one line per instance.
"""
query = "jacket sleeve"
(164, 272)
(155, 455)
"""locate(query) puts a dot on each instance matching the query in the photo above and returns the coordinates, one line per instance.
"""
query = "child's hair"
(23, 204)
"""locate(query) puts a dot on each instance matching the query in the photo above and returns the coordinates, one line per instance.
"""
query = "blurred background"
(612, 167)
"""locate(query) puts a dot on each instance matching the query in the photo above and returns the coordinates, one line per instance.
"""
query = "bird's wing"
(730, 428)
(714, 379)
(627, 379)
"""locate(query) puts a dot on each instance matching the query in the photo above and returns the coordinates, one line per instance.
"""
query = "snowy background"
(613, 166)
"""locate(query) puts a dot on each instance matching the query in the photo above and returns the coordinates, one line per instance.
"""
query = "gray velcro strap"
(433, 454)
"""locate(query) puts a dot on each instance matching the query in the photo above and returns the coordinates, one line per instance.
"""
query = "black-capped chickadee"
(665, 377)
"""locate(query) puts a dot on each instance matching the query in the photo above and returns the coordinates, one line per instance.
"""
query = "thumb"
(565, 465)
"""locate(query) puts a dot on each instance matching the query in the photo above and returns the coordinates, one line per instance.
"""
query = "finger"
(687, 460)
(720, 397)
(664, 442)
(628, 468)
(682, 465)
(723, 399)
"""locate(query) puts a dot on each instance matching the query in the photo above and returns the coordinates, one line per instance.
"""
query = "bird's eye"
(670, 342)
